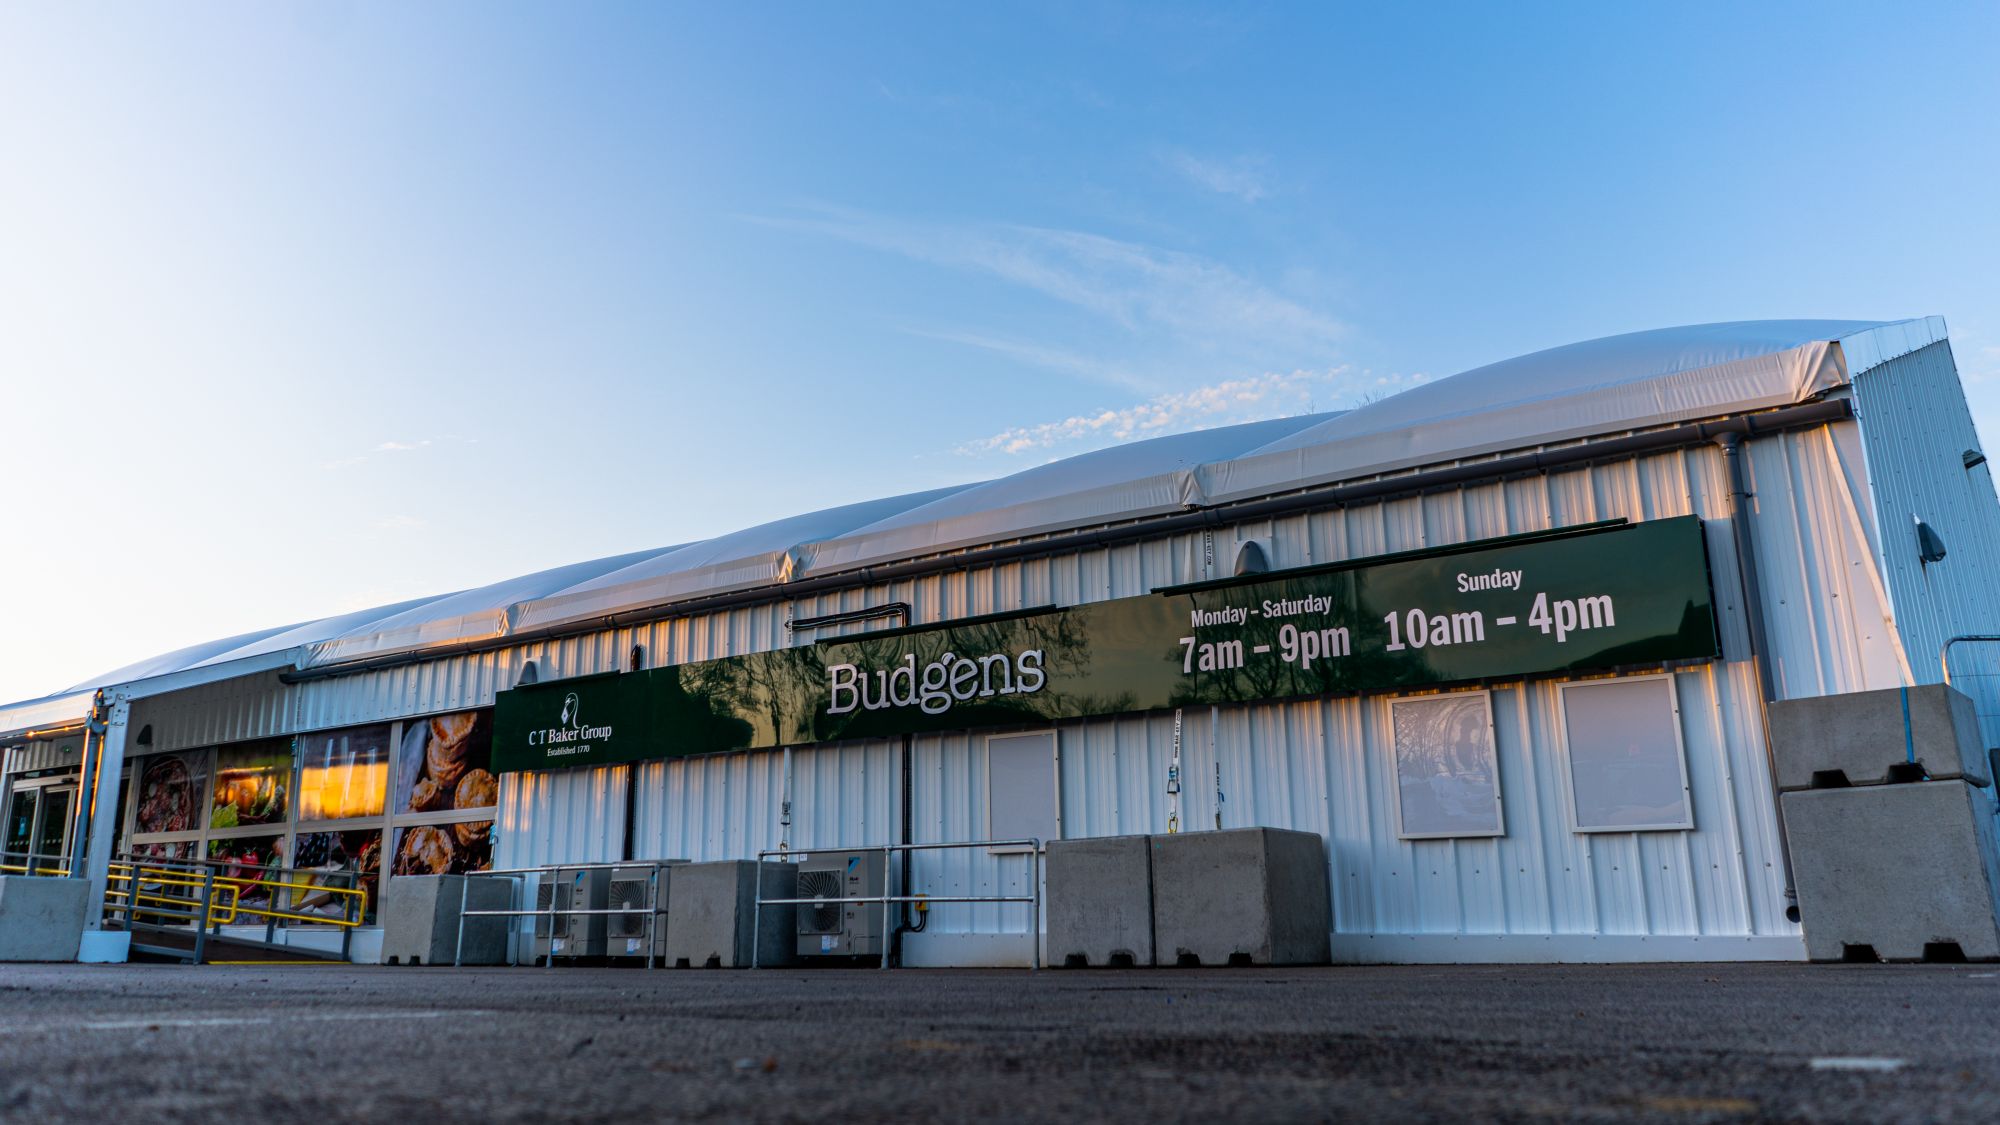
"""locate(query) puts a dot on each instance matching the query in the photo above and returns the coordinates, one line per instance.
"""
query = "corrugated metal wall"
(1319, 765)
(561, 816)
(1325, 766)
(43, 754)
(1916, 429)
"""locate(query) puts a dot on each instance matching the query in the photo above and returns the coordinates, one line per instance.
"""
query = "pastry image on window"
(445, 849)
(446, 764)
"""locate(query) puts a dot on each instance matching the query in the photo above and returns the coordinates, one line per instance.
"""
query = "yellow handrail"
(126, 878)
(139, 879)
(276, 885)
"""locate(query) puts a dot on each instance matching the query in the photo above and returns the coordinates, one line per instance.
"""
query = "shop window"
(1627, 770)
(340, 808)
(253, 782)
(319, 855)
(1447, 772)
(345, 773)
(1021, 799)
(446, 794)
(172, 789)
(443, 849)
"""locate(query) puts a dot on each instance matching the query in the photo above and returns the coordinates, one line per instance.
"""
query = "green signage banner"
(1637, 594)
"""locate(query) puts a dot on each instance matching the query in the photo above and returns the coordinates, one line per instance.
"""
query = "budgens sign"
(1625, 596)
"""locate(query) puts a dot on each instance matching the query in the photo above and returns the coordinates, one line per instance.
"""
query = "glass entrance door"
(20, 822)
(53, 824)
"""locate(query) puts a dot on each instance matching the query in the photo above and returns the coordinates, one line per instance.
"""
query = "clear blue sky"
(310, 307)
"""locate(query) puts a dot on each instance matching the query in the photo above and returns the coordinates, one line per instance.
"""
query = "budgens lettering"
(936, 687)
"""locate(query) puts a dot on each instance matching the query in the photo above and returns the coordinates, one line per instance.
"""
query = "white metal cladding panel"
(948, 804)
(227, 711)
(42, 755)
(1825, 605)
(561, 816)
(729, 806)
(1326, 766)
(1915, 429)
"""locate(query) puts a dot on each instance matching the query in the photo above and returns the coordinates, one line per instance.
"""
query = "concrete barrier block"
(419, 915)
(1255, 895)
(104, 947)
(41, 917)
(1100, 902)
(1896, 868)
(1861, 735)
(713, 918)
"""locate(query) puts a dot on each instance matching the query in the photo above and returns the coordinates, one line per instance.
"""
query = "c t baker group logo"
(570, 735)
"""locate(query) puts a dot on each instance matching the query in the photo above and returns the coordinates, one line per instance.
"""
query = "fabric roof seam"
(1804, 415)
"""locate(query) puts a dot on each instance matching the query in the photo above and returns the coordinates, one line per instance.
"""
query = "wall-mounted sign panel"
(1631, 595)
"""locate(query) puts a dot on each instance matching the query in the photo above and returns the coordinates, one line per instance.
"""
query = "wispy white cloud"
(1271, 395)
(1142, 289)
(394, 446)
(1241, 176)
(1043, 355)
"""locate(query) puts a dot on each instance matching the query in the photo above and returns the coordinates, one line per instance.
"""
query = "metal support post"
(110, 763)
(1035, 890)
(349, 904)
(757, 915)
(201, 922)
(888, 938)
(458, 949)
(549, 961)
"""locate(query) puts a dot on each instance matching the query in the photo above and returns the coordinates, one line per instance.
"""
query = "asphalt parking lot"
(1659, 1043)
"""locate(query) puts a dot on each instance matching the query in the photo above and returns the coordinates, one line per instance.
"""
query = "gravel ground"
(335, 1043)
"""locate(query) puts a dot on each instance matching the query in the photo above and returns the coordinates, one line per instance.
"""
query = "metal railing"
(653, 911)
(1030, 848)
(1983, 690)
(159, 893)
(34, 863)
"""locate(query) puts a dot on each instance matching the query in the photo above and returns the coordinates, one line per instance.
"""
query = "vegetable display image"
(446, 764)
(247, 859)
(251, 784)
(445, 849)
(168, 792)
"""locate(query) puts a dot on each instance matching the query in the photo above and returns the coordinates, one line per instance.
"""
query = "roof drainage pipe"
(1760, 651)
(1687, 436)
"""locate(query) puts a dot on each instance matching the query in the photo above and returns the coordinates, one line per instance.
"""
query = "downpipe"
(1760, 651)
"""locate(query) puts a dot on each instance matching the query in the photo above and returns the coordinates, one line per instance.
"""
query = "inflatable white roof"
(1611, 385)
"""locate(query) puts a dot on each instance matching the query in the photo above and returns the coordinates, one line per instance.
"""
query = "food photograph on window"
(445, 849)
(322, 860)
(446, 764)
(249, 859)
(170, 792)
(251, 784)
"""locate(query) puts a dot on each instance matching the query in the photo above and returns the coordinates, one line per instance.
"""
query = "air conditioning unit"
(550, 891)
(625, 934)
(571, 935)
(833, 928)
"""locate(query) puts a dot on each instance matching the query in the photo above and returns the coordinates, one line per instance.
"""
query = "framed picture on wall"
(1447, 770)
(1627, 767)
